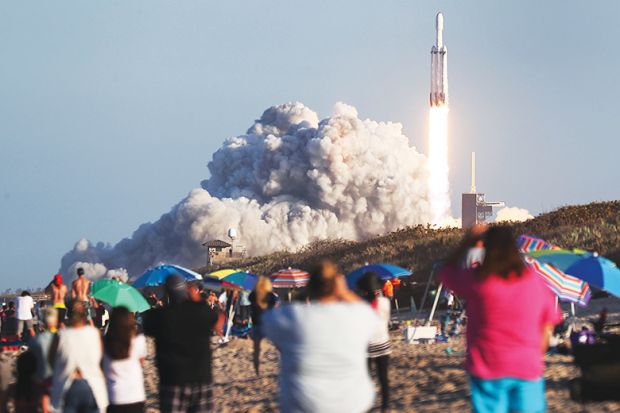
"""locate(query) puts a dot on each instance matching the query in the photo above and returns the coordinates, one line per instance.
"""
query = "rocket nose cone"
(439, 21)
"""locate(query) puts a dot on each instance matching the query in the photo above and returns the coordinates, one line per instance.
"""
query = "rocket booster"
(439, 67)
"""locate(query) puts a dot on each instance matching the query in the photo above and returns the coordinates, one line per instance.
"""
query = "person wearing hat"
(58, 291)
(182, 333)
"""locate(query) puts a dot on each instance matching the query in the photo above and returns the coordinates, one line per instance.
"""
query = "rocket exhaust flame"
(439, 186)
(438, 183)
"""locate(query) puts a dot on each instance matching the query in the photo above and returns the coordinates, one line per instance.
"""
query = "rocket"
(439, 67)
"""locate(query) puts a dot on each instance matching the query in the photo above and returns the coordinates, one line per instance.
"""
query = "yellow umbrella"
(219, 274)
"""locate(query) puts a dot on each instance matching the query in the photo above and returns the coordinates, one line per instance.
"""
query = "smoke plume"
(288, 181)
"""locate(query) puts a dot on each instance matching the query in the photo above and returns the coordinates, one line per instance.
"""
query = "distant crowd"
(80, 359)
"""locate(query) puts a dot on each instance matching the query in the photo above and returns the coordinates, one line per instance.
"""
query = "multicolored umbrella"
(528, 243)
(566, 287)
(117, 294)
(218, 275)
(384, 271)
(157, 276)
(242, 280)
(290, 278)
(590, 267)
(562, 259)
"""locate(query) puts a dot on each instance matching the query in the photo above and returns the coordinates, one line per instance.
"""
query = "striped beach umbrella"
(290, 278)
(528, 243)
(566, 287)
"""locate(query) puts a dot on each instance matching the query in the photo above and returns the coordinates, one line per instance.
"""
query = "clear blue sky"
(110, 110)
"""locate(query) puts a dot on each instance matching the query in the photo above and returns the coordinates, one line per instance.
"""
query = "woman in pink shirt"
(511, 313)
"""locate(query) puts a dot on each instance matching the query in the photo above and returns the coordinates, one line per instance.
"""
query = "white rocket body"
(439, 67)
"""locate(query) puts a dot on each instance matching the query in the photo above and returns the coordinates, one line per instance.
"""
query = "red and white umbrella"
(290, 278)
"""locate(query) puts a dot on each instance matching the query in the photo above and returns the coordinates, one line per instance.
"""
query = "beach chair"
(600, 370)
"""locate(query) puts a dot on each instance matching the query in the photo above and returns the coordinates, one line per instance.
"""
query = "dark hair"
(77, 313)
(25, 293)
(502, 256)
(120, 332)
(367, 285)
(80, 271)
(25, 389)
(322, 281)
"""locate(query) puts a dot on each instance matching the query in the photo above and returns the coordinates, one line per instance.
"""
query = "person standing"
(58, 292)
(124, 354)
(80, 291)
(78, 384)
(379, 350)
(24, 311)
(40, 346)
(506, 341)
(261, 299)
(388, 290)
(323, 347)
(182, 349)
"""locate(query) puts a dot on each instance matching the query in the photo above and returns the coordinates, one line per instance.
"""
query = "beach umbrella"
(157, 276)
(116, 294)
(565, 287)
(562, 259)
(99, 284)
(242, 280)
(218, 275)
(290, 278)
(587, 266)
(212, 284)
(528, 243)
(384, 271)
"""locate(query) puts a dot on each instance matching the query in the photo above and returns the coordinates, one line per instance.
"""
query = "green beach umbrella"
(117, 294)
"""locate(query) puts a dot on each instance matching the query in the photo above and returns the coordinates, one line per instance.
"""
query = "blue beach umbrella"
(598, 271)
(384, 271)
(157, 276)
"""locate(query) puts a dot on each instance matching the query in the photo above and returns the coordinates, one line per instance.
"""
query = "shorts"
(87, 309)
(20, 325)
(197, 398)
(62, 312)
(508, 395)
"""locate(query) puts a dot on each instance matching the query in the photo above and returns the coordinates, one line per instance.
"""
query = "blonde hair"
(262, 290)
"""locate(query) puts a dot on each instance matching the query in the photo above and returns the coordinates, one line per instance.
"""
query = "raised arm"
(472, 236)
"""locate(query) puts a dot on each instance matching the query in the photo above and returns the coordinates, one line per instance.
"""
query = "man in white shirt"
(25, 307)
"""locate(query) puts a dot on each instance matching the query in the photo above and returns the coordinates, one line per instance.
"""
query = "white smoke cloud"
(513, 214)
(290, 180)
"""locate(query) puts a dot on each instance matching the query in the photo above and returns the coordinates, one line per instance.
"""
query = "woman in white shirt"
(124, 353)
(379, 349)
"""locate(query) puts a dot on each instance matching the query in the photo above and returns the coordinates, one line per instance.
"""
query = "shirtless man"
(79, 291)
(58, 291)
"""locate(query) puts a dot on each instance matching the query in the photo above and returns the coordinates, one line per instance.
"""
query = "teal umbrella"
(118, 294)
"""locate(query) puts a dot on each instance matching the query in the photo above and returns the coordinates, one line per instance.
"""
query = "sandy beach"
(424, 377)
